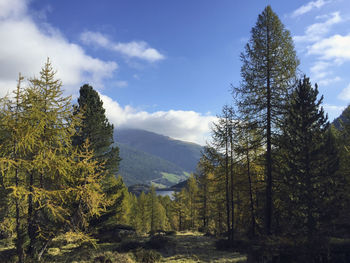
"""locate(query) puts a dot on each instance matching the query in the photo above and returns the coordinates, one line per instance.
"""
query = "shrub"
(157, 242)
(147, 256)
(222, 244)
(109, 257)
(126, 246)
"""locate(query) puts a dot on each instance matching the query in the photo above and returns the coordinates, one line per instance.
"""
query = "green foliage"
(147, 256)
(158, 242)
(183, 154)
(139, 167)
(53, 187)
(309, 177)
(268, 73)
(96, 128)
(157, 213)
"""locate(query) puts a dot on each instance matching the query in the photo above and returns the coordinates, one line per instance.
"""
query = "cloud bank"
(134, 49)
(183, 125)
(25, 46)
(309, 7)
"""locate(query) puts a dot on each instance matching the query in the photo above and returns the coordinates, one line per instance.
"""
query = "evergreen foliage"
(96, 128)
(310, 177)
(268, 72)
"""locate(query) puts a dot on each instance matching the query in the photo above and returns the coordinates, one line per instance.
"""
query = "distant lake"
(165, 192)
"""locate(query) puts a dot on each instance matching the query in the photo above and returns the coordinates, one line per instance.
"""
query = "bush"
(109, 257)
(147, 256)
(222, 244)
(126, 246)
(157, 242)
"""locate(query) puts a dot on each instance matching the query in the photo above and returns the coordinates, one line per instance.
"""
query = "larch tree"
(13, 164)
(223, 137)
(55, 188)
(268, 73)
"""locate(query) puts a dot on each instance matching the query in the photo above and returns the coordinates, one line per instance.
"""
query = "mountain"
(344, 117)
(184, 154)
(152, 158)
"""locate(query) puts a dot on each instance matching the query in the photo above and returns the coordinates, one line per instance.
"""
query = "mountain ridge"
(183, 154)
(151, 158)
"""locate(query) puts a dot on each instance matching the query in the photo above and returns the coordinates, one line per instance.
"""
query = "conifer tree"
(192, 192)
(310, 176)
(157, 215)
(143, 213)
(96, 128)
(13, 148)
(223, 139)
(268, 72)
(55, 188)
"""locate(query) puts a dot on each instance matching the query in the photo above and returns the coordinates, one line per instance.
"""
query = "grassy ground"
(182, 247)
(192, 247)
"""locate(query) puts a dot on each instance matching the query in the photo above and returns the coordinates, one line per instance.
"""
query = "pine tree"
(268, 72)
(96, 128)
(310, 177)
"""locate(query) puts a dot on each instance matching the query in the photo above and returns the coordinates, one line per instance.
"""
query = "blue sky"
(167, 66)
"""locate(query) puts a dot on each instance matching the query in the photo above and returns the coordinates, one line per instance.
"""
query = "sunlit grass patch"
(189, 233)
(53, 251)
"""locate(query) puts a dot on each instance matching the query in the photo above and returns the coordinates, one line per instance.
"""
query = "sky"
(167, 66)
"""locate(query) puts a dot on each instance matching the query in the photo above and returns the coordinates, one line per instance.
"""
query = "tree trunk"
(268, 219)
(250, 193)
(227, 187)
(232, 190)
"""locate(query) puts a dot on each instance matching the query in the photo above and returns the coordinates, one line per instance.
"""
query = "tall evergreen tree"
(96, 128)
(310, 177)
(268, 71)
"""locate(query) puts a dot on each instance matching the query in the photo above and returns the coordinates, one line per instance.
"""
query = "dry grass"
(184, 247)
(194, 247)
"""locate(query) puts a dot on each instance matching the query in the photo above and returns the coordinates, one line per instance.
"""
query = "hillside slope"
(138, 167)
(184, 154)
(344, 117)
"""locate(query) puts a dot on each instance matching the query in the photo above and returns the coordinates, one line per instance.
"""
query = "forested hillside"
(184, 154)
(139, 167)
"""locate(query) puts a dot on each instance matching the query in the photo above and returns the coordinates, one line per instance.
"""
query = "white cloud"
(25, 47)
(329, 51)
(335, 48)
(315, 31)
(345, 94)
(320, 69)
(184, 125)
(14, 8)
(134, 49)
(333, 111)
(121, 84)
(328, 81)
(309, 6)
